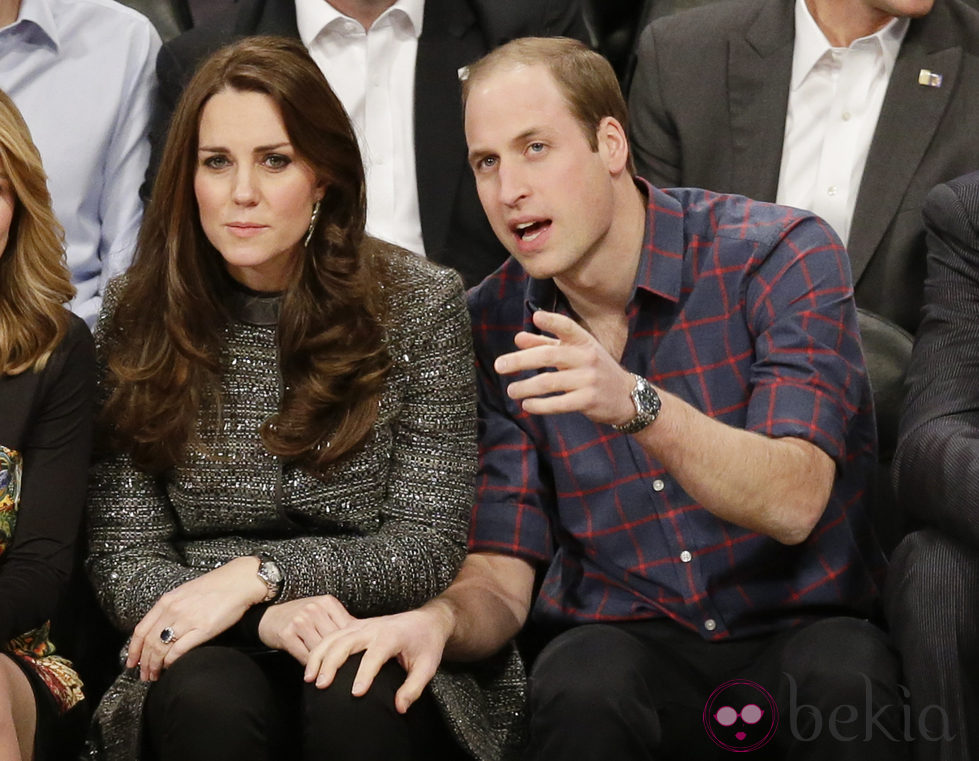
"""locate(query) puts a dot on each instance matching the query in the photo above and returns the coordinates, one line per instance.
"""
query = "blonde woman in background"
(47, 371)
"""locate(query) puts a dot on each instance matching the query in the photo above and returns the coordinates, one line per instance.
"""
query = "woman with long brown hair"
(47, 388)
(290, 416)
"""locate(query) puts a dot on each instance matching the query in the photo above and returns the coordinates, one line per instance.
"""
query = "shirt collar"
(38, 13)
(811, 44)
(660, 269)
(313, 17)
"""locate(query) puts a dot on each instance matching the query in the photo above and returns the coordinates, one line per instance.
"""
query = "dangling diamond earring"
(312, 224)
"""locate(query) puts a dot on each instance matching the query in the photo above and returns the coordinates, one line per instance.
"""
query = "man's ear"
(613, 144)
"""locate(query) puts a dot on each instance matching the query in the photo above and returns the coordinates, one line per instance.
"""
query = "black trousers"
(932, 599)
(654, 690)
(219, 703)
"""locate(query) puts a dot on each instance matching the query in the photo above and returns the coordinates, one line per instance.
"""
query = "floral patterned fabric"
(33, 648)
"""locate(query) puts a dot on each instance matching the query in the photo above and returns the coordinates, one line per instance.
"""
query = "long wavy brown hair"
(161, 362)
(34, 280)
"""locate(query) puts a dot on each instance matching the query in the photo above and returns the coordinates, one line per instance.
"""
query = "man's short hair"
(585, 78)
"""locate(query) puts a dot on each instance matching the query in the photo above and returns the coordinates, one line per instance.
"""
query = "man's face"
(547, 194)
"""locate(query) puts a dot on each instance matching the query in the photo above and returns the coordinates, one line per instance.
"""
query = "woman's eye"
(277, 161)
(536, 147)
(216, 162)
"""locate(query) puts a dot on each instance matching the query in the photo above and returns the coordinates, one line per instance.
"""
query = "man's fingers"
(525, 340)
(534, 358)
(419, 675)
(562, 326)
(374, 657)
(324, 659)
(573, 401)
(540, 357)
(304, 635)
(335, 657)
(557, 382)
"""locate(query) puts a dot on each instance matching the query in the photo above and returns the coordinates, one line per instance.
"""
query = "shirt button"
(710, 624)
(846, 116)
(658, 485)
(831, 190)
(685, 556)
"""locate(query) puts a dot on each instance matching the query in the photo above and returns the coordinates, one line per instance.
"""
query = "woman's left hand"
(194, 612)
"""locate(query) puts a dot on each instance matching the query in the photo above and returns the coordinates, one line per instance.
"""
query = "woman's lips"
(245, 229)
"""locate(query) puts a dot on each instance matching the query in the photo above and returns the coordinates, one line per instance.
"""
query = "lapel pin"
(929, 78)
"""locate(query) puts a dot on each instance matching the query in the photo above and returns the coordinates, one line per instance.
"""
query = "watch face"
(270, 571)
(647, 400)
(647, 404)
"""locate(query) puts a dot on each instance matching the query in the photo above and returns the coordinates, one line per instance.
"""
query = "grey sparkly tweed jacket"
(383, 533)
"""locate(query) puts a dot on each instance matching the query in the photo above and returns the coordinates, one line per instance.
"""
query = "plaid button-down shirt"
(744, 310)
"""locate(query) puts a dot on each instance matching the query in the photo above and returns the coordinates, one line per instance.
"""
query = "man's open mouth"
(528, 231)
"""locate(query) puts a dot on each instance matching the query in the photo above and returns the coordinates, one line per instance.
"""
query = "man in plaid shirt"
(676, 429)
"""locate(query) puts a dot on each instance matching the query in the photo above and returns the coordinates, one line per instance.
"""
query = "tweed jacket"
(383, 532)
(708, 106)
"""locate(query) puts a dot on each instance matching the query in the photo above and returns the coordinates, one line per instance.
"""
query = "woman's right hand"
(298, 626)
(194, 613)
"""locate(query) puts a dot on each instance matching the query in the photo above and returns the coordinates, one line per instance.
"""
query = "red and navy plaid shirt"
(744, 310)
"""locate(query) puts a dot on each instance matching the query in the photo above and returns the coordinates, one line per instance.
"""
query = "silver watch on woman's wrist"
(647, 404)
(271, 576)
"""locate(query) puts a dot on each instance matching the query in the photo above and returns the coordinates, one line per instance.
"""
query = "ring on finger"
(168, 636)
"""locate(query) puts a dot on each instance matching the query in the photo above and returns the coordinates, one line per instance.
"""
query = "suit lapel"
(449, 40)
(908, 119)
(759, 75)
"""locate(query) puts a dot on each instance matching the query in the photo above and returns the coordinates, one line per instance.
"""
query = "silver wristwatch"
(647, 404)
(271, 576)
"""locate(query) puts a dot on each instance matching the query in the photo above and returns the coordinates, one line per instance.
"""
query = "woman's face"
(6, 210)
(254, 194)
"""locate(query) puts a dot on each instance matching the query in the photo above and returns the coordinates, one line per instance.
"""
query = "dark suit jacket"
(708, 105)
(936, 465)
(454, 33)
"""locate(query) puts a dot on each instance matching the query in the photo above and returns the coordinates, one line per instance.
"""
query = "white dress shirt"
(82, 72)
(373, 73)
(834, 102)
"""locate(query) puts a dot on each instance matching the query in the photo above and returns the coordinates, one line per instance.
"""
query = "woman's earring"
(312, 223)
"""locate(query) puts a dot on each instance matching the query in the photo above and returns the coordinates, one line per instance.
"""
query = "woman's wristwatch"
(271, 576)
